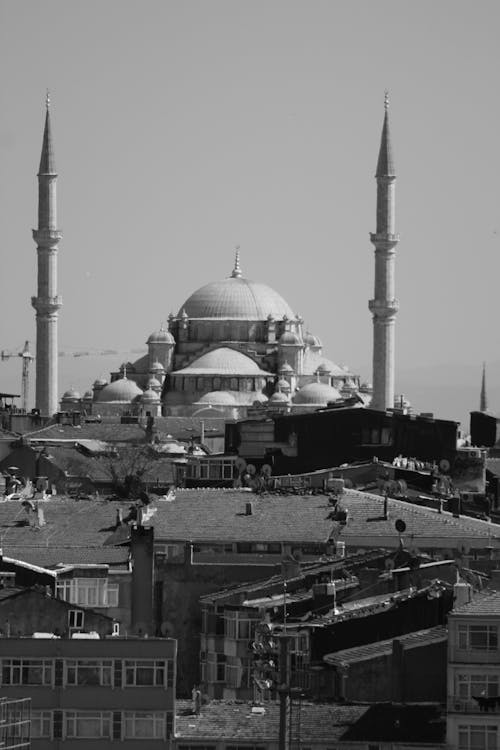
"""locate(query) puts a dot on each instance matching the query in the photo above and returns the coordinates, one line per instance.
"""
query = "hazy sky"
(185, 128)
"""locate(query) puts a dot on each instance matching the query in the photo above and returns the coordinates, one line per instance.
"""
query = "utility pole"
(284, 692)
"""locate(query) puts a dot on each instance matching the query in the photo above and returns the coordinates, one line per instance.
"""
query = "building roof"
(223, 361)
(236, 298)
(111, 430)
(235, 720)
(385, 163)
(47, 159)
(485, 603)
(325, 723)
(417, 639)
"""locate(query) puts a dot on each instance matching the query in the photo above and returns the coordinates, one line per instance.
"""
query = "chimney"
(462, 593)
(119, 517)
(40, 517)
(249, 509)
(386, 510)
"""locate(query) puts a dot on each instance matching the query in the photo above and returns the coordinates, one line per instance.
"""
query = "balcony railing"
(473, 706)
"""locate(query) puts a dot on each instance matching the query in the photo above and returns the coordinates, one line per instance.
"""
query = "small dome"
(283, 385)
(217, 398)
(324, 369)
(289, 338)
(161, 337)
(157, 367)
(366, 388)
(279, 398)
(100, 383)
(285, 367)
(123, 390)
(260, 398)
(71, 395)
(317, 394)
(149, 396)
(153, 382)
(312, 340)
(88, 396)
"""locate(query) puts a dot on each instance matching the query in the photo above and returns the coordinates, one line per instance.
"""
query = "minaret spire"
(47, 302)
(483, 399)
(384, 306)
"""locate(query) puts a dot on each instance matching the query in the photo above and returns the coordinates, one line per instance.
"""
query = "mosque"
(234, 347)
(235, 344)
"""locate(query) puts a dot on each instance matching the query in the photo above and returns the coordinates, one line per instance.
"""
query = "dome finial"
(386, 100)
(236, 274)
(47, 99)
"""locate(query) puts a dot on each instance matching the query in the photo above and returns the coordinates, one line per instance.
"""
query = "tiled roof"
(325, 723)
(235, 720)
(74, 532)
(383, 648)
(486, 603)
(111, 431)
(49, 557)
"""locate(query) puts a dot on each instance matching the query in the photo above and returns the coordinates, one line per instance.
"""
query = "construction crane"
(25, 371)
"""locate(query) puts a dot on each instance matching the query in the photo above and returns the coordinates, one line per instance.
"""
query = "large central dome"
(236, 298)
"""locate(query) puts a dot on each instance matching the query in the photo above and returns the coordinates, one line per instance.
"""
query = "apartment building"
(473, 721)
(88, 692)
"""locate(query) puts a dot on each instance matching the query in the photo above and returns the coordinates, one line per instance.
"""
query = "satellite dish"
(444, 465)
(240, 464)
(251, 469)
(400, 526)
(266, 470)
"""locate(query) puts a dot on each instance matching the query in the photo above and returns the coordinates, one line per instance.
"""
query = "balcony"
(473, 706)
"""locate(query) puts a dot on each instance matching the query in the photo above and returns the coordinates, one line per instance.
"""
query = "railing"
(473, 706)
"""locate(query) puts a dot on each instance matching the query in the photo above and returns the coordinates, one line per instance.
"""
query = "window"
(88, 592)
(145, 724)
(146, 672)
(477, 737)
(88, 724)
(470, 685)
(27, 672)
(75, 618)
(89, 672)
(41, 724)
(478, 637)
(116, 628)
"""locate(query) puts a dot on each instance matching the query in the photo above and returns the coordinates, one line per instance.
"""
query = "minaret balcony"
(47, 305)
(383, 308)
(46, 236)
(384, 239)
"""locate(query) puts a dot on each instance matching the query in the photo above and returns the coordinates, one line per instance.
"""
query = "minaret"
(483, 399)
(47, 302)
(384, 306)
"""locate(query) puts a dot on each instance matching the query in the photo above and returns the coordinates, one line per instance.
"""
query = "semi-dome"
(223, 361)
(123, 390)
(153, 382)
(217, 398)
(161, 337)
(317, 394)
(236, 298)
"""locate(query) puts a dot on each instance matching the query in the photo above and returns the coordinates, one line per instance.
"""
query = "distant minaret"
(384, 306)
(483, 399)
(47, 302)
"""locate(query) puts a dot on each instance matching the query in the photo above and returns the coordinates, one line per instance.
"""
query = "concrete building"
(384, 305)
(88, 692)
(47, 303)
(473, 719)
